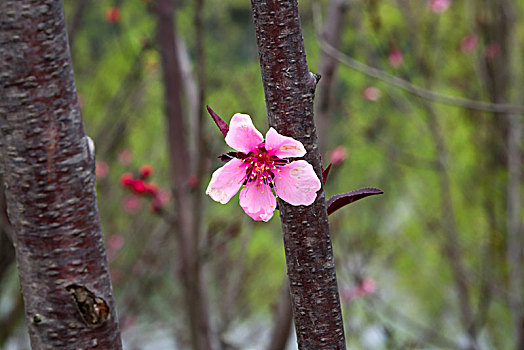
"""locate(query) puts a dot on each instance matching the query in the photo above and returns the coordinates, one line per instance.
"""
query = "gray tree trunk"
(49, 177)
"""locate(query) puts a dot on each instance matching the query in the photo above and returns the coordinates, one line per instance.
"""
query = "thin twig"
(406, 85)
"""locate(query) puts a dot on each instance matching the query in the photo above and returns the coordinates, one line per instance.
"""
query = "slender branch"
(515, 243)
(195, 297)
(406, 85)
(289, 90)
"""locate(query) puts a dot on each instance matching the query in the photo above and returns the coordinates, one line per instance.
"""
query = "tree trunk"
(49, 177)
(502, 76)
(190, 267)
(512, 61)
(289, 89)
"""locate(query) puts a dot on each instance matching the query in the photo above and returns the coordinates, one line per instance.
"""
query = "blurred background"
(422, 99)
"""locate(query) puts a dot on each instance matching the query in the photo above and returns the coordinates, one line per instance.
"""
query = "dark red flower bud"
(156, 205)
(146, 171)
(112, 14)
(151, 187)
(192, 181)
(126, 180)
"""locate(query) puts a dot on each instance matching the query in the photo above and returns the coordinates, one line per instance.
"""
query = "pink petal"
(258, 201)
(226, 181)
(297, 183)
(242, 134)
(283, 146)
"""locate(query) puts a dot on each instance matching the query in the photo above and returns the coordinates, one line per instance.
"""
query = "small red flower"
(395, 57)
(139, 186)
(146, 171)
(151, 187)
(112, 14)
(160, 200)
(127, 180)
(192, 181)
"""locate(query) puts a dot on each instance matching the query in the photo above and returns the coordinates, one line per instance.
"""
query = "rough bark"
(190, 267)
(289, 89)
(49, 178)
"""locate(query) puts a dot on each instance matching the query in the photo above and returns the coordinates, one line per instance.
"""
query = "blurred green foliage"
(396, 240)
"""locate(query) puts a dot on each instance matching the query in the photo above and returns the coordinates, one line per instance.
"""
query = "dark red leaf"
(222, 125)
(325, 173)
(340, 200)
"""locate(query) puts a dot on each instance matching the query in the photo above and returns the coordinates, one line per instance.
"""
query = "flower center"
(262, 167)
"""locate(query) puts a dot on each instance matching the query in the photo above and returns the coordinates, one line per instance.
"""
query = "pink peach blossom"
(492, 50)
(102, 169)
(115, 242)
(113, 245)
(395, 57)
(159, 200)
(125, 157)
(371, 93)
(468, 44)
(131, 204)
(439, 6)
(338, 155)
(368, 286)
(261, 166)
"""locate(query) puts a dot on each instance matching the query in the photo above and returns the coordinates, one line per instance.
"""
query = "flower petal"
(297, 183)
(242, 134)
(283, 146)
(226, 181)
(258, 201)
